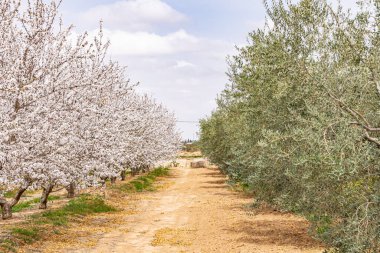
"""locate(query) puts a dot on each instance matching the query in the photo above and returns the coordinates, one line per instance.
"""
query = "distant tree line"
(190, 146)
(187, 141)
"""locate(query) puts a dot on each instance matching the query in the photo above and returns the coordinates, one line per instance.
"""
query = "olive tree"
(298, 124)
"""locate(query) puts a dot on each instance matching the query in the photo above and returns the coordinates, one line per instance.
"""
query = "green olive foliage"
(299, 123)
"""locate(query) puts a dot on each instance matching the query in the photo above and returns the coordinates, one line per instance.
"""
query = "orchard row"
(69, 116)
(298, 126)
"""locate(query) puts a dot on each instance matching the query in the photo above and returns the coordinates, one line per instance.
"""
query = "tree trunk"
(6, 206)
(6, 209)
(113, 180)
(123, 175)
(71, 190)
(44, 197)
(104, 190)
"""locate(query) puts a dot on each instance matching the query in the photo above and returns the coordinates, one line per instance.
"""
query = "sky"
(175, 49)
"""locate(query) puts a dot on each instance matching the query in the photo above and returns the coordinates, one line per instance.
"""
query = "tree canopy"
(298, 124)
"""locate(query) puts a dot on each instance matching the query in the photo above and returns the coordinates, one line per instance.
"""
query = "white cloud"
(150, 44)
(133, 15)
(125, 43)
(183, 64)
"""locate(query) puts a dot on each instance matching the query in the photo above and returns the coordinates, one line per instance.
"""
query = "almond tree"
(35, 64)
(68, 117)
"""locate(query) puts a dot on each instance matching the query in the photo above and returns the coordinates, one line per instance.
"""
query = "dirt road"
(198, 212)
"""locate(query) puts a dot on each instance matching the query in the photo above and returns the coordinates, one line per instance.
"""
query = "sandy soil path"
(198, 212)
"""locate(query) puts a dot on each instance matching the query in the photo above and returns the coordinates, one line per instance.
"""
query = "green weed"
(143, 183)
(26, 235)
(27, 204)
(40, 224)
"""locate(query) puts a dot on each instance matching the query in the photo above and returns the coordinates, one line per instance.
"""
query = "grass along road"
(193, 210)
